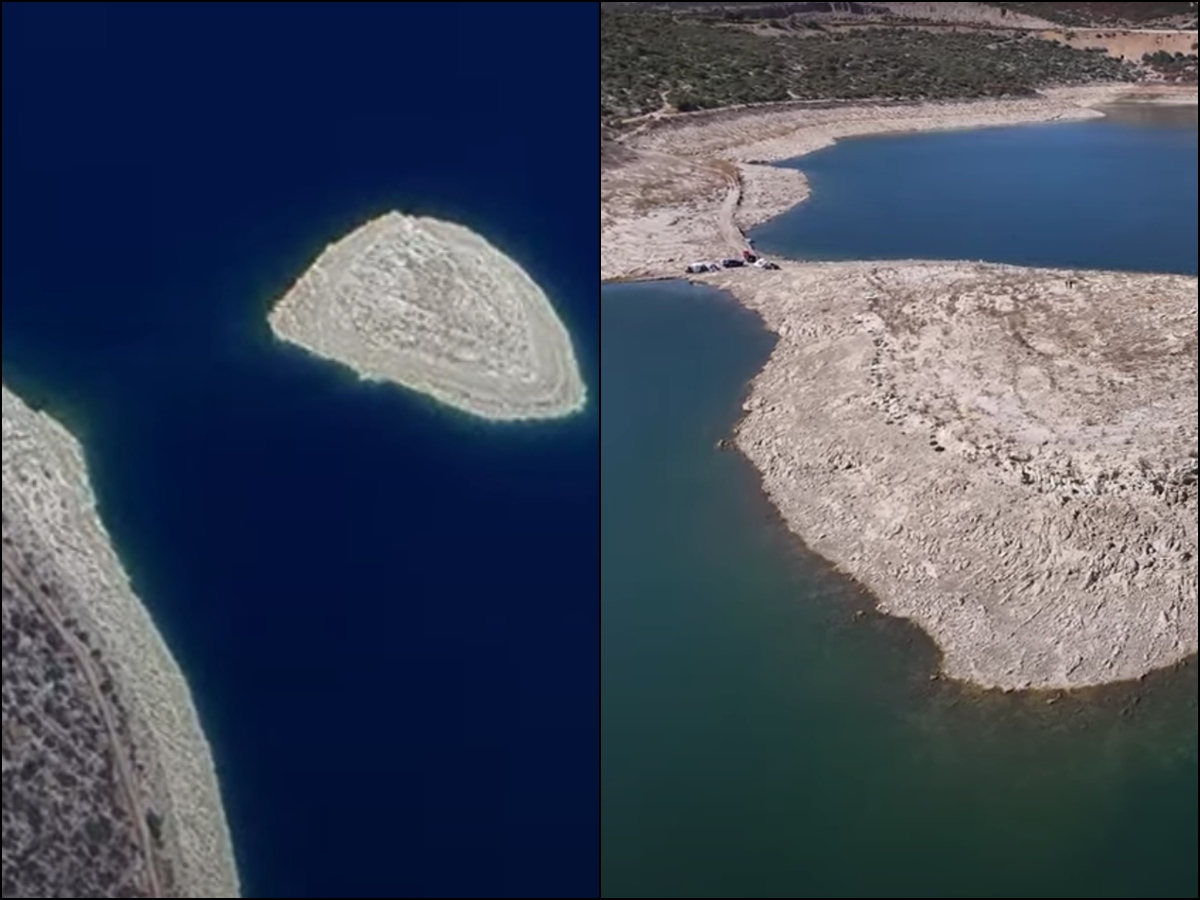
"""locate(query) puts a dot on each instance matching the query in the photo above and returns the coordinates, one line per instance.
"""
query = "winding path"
(728, 172)
(730, 233)
(733, 196)
(124, 769)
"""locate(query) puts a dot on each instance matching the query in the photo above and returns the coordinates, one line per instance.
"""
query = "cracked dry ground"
(1005, 456)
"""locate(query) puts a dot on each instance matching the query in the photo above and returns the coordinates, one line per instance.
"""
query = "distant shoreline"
(665, 205)
(46, 481)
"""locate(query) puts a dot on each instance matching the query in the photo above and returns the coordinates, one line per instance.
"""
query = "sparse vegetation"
(1097, 15)
(1100, 14)
(1081, 15)
(66, 822)
(720, 6)
(1175, 67)
(647, 58)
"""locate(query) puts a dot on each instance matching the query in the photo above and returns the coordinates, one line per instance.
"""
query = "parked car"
(732, 263)
(749, 256)
(766, 264)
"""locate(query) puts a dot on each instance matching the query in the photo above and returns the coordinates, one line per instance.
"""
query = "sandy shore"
(47, 491)
(1004, 456)
(434, 307)
(665, 206)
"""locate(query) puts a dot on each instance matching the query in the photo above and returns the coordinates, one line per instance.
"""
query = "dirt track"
(1125, 43)
(126, 781)
(673, 199)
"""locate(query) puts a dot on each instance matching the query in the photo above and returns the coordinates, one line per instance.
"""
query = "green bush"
(704, 65)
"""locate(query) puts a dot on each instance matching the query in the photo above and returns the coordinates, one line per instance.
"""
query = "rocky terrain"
(107, 780)
(434, 307)
(69, 829)
(666, 200)
(1005, 456)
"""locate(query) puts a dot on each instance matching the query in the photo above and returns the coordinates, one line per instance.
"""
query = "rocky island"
(434, 307)
(109, 789)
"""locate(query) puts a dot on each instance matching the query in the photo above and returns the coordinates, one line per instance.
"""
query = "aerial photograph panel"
(899, 473)
(300, 451)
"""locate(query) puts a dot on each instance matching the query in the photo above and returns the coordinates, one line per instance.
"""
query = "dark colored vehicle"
(767, 264)
(732, 263)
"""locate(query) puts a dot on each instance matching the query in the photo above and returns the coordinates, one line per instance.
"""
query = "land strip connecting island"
(109, 787)
(1005, 456)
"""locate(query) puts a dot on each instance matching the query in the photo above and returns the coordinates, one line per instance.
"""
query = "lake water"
(1115, 193)
(386, 609)
(763, 733)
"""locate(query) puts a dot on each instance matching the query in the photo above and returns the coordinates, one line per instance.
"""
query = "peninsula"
(1005, 456)
(434, 307)
(109, 788)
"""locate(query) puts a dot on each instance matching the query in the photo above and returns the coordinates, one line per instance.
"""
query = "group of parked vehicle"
(748, 258)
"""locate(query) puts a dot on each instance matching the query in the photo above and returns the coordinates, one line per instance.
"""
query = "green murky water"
(760, 739)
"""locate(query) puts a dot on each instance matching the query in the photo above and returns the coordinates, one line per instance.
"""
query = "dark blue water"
(386, 609)
(1112, 193)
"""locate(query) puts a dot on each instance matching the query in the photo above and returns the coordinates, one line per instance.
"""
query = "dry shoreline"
(984, 449)
(662, 208)
(53, 510)
(1042, 546)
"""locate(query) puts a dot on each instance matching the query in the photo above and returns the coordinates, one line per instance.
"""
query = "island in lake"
(434, 307)
(109, 788)
(1004, 455)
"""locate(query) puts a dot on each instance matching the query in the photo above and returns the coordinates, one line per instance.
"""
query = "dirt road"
(125, 779)
(733, 196)
(730, 233)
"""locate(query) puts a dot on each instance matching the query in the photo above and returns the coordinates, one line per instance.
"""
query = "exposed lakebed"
(764, 735)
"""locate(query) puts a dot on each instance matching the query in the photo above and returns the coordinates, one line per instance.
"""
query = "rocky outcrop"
(1005, 456)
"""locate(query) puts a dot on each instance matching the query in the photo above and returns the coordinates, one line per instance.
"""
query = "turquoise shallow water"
(764, 734)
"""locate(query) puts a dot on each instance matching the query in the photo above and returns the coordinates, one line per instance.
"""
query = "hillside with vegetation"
(1173, 68)
(1079, 15)
(652, 60)
(1099, 15)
